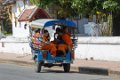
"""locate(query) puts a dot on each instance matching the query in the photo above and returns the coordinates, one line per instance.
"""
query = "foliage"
(111, 5)
(60, 7)
(91, 6)
(41, 3)
(78, 7)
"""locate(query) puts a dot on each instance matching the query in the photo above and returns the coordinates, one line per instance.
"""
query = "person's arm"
(67, 40)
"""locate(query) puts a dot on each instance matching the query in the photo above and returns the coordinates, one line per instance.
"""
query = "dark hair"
(45, 31)
(58, 29)
(38, 30)
(64, 27)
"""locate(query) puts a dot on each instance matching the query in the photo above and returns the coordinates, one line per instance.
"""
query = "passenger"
(66, 38)
(47, 45)
(67, 45)
(46, 36)
(56, 34)
(61, 46)
(35, 42)
(36, 37)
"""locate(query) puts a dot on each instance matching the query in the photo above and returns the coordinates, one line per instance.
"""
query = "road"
(17, 72)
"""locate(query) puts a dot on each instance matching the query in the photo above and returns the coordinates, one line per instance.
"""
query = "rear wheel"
(38, 66)
(66, 67)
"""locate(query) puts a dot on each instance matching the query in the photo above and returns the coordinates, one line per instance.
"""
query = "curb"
(93, 70)
(99, 71)
(114, 73)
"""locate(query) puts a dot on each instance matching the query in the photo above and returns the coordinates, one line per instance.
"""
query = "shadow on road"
(56, 71)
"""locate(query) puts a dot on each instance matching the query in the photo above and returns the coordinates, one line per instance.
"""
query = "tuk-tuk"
(43, 57)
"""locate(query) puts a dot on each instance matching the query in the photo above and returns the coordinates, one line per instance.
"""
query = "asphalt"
(99, 67)
(16, 72)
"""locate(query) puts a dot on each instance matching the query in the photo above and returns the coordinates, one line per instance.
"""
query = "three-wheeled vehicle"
(43, 57)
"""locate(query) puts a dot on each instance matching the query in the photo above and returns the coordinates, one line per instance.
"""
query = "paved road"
(17, 72)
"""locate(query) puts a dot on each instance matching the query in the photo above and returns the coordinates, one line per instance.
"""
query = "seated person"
(67, 42)
(66, 38)
(56, 36)
(60, 43)
(47, 45)
(36, 39)
(45, 36)
(56, 33)
(35, 42)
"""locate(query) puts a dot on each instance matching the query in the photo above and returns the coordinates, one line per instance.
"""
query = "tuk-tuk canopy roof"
(60, 22)
(40, 23)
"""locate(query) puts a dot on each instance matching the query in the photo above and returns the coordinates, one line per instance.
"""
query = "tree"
(113, 6)
(61, 8)
(72, 8)
(107, 7)
(5, 22)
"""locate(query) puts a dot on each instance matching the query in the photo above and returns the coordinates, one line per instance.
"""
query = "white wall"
(98, 52)
(15, 47)
(11, 44)
(100, 48)
(18, 30)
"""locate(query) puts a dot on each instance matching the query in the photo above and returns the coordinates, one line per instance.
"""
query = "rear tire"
(66, 67)
(38, 66)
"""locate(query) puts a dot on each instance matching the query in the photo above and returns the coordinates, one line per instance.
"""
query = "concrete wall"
(80, 24)
(98, 48)
(11, 44)
(98, 52)
(15, 47)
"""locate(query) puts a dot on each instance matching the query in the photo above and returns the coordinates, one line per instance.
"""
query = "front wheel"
(38, 66)
(66, 67)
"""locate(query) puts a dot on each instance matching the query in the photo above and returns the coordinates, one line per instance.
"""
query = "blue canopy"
(60, 22)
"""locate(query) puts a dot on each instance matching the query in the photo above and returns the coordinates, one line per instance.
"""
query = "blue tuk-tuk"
(44, 58)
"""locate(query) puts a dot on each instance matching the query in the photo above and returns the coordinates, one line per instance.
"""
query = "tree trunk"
(116, 24)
